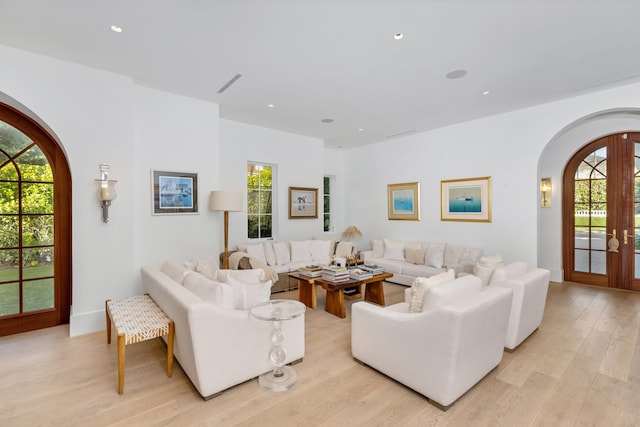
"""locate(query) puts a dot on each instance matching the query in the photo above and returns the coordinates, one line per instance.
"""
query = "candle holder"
(106, 191)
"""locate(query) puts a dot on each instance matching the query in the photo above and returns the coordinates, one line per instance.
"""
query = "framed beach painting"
(303, 202)
(466, 199)
(404, 201)
(174, 192)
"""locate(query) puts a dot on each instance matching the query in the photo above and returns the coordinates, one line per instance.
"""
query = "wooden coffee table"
(307, 294)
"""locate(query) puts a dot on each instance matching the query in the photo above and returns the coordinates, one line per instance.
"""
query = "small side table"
(138, 319)
(275, 311)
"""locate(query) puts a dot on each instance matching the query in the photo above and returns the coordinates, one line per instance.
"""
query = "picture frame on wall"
(303, 202)
(467, 199)
(174, 192)
(404, 201)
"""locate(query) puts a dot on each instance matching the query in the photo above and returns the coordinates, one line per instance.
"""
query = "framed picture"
(303, 202)
(174, 192)
(466, 199)
(404, 201)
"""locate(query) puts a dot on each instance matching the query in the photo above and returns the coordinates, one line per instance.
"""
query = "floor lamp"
(226, 201)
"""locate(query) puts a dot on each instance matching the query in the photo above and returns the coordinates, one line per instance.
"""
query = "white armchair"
(442, 351)
(529, 288)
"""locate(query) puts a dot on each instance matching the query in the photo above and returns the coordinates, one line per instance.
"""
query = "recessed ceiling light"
(327, 120)
(456, 74)
(486, 92)
(116, 29)
(270, 105)
(360, 129)
(398, 36)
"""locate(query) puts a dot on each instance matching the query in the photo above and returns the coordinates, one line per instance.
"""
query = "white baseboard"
(86, 323)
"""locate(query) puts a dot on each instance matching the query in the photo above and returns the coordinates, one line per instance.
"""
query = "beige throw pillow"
(414, 256)
(421, 286)
(485, 267)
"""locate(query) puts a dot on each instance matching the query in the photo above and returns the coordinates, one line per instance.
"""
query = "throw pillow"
(207, 267)
(377, 247)
(244, 263)
(393, 249)
(320, 250)
(270, 253)
(300, 250)
(344, 249)
(414, 256)
(485, 267)
(174, 270)
(216, 293)
(247, 276)
(421, 286)
(435, 255)
(257, 252)
(282, 253)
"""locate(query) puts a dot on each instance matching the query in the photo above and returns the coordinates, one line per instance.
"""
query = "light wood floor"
(582, 367)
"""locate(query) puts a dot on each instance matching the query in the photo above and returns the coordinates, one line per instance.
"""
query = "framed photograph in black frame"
(174, 192)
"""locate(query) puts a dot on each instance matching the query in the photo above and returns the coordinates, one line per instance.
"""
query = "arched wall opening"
(551, 164)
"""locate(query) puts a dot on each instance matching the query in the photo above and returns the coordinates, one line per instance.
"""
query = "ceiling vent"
(229, 83)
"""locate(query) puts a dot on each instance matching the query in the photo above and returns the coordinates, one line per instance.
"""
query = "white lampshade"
(225, 201)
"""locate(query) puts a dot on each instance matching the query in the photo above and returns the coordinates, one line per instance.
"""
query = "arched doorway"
(601, 213)
(35, 241)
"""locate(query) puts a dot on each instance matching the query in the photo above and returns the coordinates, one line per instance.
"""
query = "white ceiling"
(337, 59)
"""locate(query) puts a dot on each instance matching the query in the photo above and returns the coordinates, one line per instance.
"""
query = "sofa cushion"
(509, 271)
(247, 295)
(435, 255)
(393, 249)
(207, 267)
(450, 292)
(320, 250)
(452, 255)
(209, 290)
(420, 270)
(377, 247)
(414, 256)
(283, 256)
(270, 253)
(300, 250)
(421, 285)
(174, 270)
(257, 251)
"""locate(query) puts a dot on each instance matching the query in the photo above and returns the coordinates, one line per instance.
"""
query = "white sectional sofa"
(216, 347)
(287, 256)
(410, 259)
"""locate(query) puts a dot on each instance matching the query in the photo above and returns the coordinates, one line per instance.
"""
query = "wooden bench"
(138, 319)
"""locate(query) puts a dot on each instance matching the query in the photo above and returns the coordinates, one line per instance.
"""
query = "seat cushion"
(450, 292)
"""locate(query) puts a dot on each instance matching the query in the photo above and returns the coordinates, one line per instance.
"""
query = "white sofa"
(217, 347)
(529, 288)
(287, 256)
(410, 259)
(442, 351)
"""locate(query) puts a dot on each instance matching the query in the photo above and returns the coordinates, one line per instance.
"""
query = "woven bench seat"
(137, 319)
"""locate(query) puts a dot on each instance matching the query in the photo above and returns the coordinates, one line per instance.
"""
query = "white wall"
(103, 117)
(506, 147)
(299, 161)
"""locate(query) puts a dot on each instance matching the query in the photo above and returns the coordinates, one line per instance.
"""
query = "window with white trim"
(260, 200)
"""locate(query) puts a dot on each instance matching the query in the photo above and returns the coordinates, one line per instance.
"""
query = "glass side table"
(276, 311)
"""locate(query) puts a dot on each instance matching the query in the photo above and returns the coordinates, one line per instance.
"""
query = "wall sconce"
(106, 192)
(545, 192)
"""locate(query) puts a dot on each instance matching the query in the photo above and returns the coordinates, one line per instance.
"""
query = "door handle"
(613, 242)
(628, 236)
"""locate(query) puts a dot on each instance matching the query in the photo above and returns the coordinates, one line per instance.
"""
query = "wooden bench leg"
(170, 349)
(106, 311)
(121, 346)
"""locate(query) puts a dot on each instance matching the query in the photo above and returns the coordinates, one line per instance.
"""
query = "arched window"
(35, 219)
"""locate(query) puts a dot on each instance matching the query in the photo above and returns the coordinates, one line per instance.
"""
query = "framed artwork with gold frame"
(467, 199)
(404, 201)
